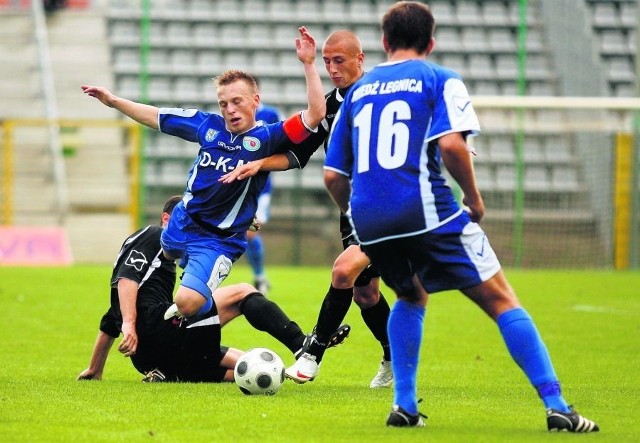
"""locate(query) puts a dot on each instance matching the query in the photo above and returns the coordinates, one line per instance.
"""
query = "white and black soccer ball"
(259, 371)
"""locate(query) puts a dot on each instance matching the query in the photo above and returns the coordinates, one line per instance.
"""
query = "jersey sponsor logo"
(136, 259)
(251, 144)
(221, 163)
(211, 134)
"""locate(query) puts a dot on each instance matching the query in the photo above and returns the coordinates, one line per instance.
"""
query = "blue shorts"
(456, 255)
(205, 256)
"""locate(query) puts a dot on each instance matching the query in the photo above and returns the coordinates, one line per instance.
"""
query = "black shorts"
(182, 350)
(348, 239)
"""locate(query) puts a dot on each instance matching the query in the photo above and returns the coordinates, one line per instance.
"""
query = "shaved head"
(343, 58)
(347, 39)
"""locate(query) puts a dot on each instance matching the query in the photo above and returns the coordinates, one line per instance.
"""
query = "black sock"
(376, 318)
(333, 310)
(265, 315)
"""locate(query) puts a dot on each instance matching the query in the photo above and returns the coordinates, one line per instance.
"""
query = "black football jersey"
(140, 259)
(305, 150)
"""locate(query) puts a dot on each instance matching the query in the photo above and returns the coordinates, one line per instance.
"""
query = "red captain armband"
(296, 129)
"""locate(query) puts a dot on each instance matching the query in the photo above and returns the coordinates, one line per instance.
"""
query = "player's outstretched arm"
(143, 114)
(306, 51)
(98, 359)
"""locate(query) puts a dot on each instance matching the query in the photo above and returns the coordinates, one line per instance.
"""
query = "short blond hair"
(234, 75)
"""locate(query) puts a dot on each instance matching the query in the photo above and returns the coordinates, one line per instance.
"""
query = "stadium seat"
(186, 90)
(502, 40)
(557, 149)
(260, 35)
(505, 177)
(178, 34)
(124, 32)
(536, 178)
(228, 9)
(474, 39)
(629, 14)
(334, 11)
(506, 67)
(468, 13)
(160, 90)
(443, 11)
(447, 39)
(205, 35)
(279, 11)
(157, 34)
(540, 88)
(201, 10)
(605, 15)
(614, 42)
(620, 69)
(158, 61)
(209, 62)
(484, 87)
(128, 87)
(236, 60)
(502, 148)
(535, 40)
(183, 61)
(369, 37)
(455, 62)
(565, 178)
(532, 150)
(232, 35)
(494, 13)
(484, 176)
(361, 11)
(481, 67)
(126, 60)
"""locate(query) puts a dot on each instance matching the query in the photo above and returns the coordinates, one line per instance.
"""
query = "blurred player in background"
(265, 114)
(383, 169)
(142, 285)
(352, 277)
(208, 227)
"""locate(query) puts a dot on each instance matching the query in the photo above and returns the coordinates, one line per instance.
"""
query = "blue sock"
(530, 353)
(255, 255)
(405, 327)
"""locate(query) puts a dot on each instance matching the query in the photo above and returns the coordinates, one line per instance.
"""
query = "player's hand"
(129, 343)
(242, 172)
(88, 374)
(306, 46)
(102, 94)
(475, 208)
(255, 225)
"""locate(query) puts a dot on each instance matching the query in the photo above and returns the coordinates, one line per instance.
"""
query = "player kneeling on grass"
(186, 349)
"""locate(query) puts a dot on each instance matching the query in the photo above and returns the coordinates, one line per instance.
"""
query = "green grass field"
(472, 390)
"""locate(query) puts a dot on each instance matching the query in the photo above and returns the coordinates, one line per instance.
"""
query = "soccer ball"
(259, 371)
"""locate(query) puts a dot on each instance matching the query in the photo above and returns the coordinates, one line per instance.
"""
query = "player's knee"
(343, 275)
(189, 304)
(366, 296)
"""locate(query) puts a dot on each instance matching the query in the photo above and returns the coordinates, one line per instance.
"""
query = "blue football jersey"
(224, 206)
(385, 139)
(267, 114)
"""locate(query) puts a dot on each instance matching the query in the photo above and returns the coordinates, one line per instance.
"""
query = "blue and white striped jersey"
(385, 138)
(230, 207)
